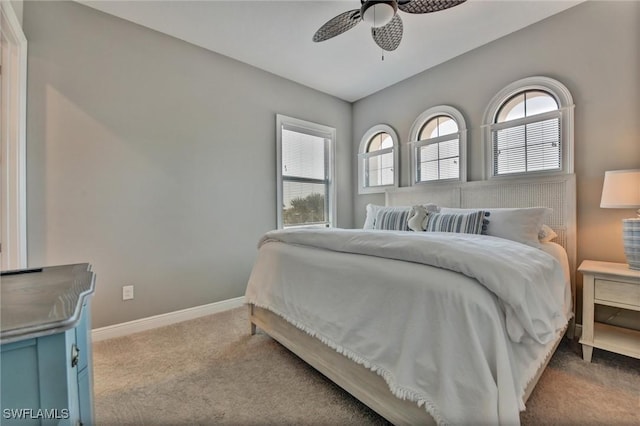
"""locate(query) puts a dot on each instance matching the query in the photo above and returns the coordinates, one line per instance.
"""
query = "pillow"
(467, 223)
(516, 224)
(392, 220)
(372, 212)
(546, 234)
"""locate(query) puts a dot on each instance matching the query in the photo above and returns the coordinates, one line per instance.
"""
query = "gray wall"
(154, 160)
(137, 143)
(593, 49)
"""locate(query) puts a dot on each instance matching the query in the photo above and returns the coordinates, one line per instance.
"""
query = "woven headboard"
(557, 192)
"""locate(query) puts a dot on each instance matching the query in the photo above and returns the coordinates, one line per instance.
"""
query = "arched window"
(438, 146)
(378, 160)
(529, 129)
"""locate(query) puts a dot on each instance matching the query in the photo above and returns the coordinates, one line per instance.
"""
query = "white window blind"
(527, 144)
(378, 170)
(438, 159)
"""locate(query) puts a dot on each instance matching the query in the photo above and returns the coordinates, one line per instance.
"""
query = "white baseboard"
(143, 324)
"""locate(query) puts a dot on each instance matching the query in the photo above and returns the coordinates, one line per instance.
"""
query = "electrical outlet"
(127, 292)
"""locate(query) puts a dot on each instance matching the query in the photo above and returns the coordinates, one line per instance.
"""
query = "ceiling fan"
(386, 25)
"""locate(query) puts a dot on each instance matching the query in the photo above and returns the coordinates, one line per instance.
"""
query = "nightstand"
(612, 284)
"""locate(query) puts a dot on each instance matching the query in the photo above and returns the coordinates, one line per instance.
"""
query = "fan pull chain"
(374, 34)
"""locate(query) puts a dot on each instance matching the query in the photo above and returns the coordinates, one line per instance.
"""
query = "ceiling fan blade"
(427, 6)
(336, 26)
(389, 36)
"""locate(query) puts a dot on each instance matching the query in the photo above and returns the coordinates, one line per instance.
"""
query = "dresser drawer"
(617, 292)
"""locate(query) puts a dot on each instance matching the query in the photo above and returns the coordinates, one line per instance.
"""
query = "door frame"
(13, 103)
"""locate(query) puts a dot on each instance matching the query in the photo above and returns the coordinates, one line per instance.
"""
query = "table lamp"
(621, 190)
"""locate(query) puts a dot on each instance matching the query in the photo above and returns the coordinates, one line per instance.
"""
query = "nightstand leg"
(587, 351)
(588, 283)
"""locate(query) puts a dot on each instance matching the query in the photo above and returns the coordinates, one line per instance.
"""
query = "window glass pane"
(386, 173)
(538, 102)
(530, 147)
(439, 161)
(428, 152)
(446, 125)
(438, 126)
(303, 155)
(428, 171)
(379, 170)
(449, 168)
(526, 104)
(543, 145)
(512, 137)
(380, 141)
(512, 109)
(303, 203)
(449, 148)
(509, 150)
(511, 161)
(429, 130)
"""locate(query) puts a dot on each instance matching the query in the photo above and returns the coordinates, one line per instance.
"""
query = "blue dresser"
(45, 341)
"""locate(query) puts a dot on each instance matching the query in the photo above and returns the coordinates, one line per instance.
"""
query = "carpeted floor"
(210, 371)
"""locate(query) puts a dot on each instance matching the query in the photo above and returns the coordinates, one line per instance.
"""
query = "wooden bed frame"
(557, 192)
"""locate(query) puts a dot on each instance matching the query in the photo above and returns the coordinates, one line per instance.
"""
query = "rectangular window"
(379, 168)
(527, 147)
(438, 160)
(305, 169)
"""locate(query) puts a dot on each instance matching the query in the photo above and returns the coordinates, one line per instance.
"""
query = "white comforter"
(456, 322)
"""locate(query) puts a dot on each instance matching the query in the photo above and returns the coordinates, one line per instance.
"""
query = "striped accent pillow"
(466, 223)
(395, 220)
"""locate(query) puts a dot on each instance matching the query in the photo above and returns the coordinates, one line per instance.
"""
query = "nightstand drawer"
(617, 292)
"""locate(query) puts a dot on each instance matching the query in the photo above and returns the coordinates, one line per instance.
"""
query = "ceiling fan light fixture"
(381, 15)
(378, 13)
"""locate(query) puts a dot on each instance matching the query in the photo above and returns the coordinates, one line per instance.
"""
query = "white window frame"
(363, 156)
(565, 113)
(13, 210)
(315, 129)
(415, 144)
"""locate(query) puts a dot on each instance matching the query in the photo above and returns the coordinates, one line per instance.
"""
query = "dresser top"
(43, 302)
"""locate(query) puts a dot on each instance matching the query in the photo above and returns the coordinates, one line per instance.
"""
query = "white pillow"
(516, 224)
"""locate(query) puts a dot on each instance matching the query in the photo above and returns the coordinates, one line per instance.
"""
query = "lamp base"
(631, 239)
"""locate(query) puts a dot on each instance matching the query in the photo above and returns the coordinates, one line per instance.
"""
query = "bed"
(426, 327)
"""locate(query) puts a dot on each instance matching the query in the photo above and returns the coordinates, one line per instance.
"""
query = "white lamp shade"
(621, 189)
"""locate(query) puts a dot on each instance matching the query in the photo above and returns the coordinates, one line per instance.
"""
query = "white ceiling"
(276, 36)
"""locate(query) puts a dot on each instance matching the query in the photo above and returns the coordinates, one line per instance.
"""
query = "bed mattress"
(458, 323)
